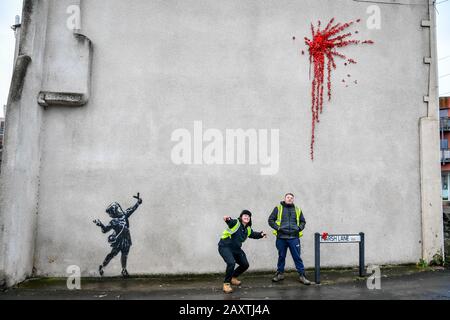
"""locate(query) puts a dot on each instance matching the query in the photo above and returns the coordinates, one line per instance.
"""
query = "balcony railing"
(445, 123)
(445, 155)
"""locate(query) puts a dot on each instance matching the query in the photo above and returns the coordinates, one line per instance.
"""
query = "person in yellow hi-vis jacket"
(288, 222)
(230, 247)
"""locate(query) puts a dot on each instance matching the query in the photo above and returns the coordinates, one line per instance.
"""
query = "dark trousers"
(231, 256)
(295, 249)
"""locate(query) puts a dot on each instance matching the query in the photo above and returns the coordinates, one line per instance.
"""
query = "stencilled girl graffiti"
(120, 239)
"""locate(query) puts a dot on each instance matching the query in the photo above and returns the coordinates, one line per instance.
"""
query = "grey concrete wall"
(19, 182)
(161, 65)
(432, 223)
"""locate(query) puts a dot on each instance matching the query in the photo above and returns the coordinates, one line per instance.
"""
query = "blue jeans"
(295, 249)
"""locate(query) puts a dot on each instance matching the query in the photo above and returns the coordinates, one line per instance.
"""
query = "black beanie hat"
(245, 212)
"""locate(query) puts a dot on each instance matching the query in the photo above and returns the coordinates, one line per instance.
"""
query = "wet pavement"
(397, 283)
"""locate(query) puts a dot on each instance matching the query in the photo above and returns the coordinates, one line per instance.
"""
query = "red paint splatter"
(322, 50)
(325, 235)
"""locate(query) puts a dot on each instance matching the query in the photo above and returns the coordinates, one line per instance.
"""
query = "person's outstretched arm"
(273, 218)
(132, 209)
(257, 235)
(104, 228)
(229, 221)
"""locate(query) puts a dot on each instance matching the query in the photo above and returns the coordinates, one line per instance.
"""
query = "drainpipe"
(16, 28)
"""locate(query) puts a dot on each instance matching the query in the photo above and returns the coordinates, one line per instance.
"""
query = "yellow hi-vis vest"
(298, 213)
(228, 232)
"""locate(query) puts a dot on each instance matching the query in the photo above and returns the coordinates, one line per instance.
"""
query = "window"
(445, 178)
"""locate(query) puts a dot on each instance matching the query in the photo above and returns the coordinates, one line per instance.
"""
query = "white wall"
(161, 65)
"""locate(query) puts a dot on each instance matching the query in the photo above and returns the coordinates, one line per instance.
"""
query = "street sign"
(340, 238)
(325, 238)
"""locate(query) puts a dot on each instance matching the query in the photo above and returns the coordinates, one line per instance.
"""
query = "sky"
(10, 8)
(443, 39)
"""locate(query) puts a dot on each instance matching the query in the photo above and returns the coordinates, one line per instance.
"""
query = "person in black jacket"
(230, 247)
(288, 222)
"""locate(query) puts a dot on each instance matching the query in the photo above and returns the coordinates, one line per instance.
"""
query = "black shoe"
(125, 273)
(303, 280)
(278, 277)
(100, 270)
